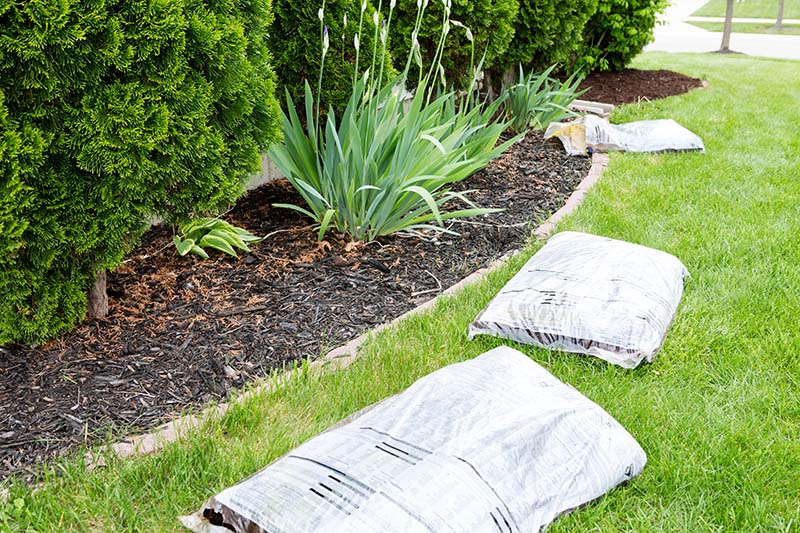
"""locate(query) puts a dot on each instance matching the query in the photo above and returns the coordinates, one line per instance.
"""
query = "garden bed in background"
(182, 332)
(632, 85)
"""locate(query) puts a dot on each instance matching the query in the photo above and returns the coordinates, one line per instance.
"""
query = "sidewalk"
(675, 35)
(766, 22)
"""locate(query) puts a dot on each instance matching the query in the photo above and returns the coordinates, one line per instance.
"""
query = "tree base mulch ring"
(631, 86)
(182, 332)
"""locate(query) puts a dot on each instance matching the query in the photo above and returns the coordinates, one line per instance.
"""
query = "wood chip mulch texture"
(632, 85)
(182, 332)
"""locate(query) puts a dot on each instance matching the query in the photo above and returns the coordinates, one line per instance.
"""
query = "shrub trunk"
(98, 297)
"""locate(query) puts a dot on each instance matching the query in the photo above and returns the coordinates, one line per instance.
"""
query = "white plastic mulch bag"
(492, 444)
(594, 134)
(588, 294)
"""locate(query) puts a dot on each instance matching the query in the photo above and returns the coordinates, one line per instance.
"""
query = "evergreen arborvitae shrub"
(114, 111)
(617, 32)
(20, 157)
(296, 46)
(491, 23)
(547, 32)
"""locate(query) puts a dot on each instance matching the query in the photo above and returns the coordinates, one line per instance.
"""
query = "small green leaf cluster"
(213, 233)
(112, 112)
(547, 32)
(536, 100)
(485, 26)
(10, 511)
(384, 166)
(617, 32)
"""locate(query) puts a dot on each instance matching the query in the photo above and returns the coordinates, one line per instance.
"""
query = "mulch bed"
(632, 85)
(182, 332)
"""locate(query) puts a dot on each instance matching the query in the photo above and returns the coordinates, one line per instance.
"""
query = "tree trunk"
(98, 299)
(726, 32)
(779, 21)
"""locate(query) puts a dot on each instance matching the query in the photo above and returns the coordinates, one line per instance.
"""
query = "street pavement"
(676, 35)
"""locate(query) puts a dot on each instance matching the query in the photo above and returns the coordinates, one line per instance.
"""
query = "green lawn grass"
(745, 27)
(767, 9)
(718, 412)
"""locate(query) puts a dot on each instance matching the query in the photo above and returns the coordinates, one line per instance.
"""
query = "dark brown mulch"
(182, 332)
(632, 85)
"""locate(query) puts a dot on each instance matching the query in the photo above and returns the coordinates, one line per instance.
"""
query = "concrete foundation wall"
(269, 172)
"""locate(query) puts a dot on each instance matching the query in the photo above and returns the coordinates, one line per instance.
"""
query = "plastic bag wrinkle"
(592, 295)
(494, 441)
(591, 134)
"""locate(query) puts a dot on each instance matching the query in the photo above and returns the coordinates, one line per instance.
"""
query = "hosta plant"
(384, 166)
(212, 233)
(537, 100)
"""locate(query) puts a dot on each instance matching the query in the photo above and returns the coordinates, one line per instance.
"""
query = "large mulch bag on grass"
(491, 444)
(592, 295)
(594, 134)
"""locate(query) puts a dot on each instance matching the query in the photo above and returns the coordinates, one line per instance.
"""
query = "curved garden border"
(342, 356)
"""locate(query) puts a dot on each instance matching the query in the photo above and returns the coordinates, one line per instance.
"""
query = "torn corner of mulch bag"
(489, 441)
(591, 134)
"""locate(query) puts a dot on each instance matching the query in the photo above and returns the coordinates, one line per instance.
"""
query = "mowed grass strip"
(766, 9)
(745, 27)
(718, 412)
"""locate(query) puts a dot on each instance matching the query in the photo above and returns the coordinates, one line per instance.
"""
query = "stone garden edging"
(342, 356)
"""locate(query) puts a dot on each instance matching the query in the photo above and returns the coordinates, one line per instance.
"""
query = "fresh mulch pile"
(632, 85)
(182, 331)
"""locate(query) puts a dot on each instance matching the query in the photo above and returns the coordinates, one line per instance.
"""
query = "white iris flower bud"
(415, 51)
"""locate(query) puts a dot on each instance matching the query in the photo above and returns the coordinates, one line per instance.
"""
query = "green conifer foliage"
(490, 23)
(617, 32)
(296, 46)
(114, 111)
(547, 32)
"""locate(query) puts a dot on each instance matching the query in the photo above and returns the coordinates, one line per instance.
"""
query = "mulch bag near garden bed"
(591, 134)
(592, 295)
(460, 450)
(182, 332)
